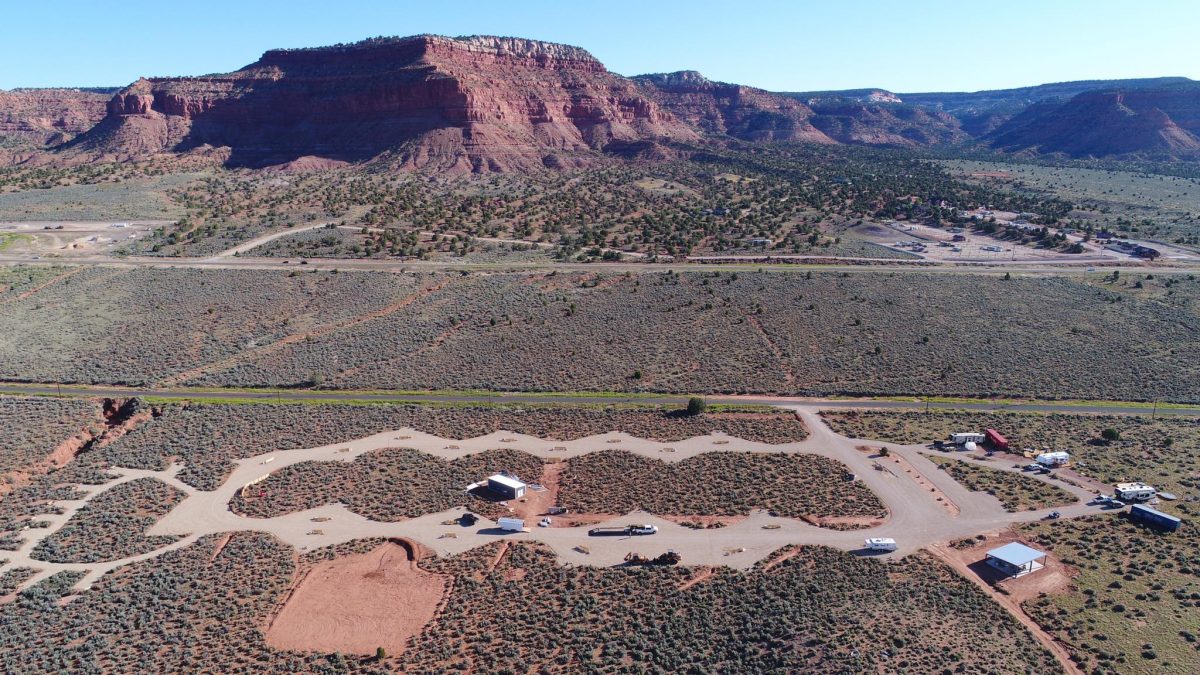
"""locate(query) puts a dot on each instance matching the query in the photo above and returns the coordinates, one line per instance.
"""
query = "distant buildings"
(1135, 250)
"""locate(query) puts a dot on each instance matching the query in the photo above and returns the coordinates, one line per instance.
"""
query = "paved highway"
(310, 395)
(831, 264)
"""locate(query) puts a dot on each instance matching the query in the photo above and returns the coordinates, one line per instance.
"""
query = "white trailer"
(511, 524)
(964, 437)
(1135, 492)
(880, 544)
(1053, 458)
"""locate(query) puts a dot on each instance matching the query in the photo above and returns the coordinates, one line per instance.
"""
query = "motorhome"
(1135, 492)
(880, 544)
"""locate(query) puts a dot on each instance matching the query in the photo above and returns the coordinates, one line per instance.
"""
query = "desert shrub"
(1164, 452)
(112, 525)
(779, 333)
(385, 485)
(1151, 576)
(821, 609)
(208, 437)
(1016, 491)
(715, 483)
(34, 426)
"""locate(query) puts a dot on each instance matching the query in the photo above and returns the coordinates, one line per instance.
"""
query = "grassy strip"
(999, 402)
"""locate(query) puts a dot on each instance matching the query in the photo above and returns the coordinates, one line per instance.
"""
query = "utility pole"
(1154, 411)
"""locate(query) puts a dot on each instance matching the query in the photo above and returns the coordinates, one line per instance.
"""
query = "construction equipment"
(668, 558)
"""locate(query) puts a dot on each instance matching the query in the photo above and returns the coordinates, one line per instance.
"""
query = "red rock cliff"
(463, 104)
(49, 116)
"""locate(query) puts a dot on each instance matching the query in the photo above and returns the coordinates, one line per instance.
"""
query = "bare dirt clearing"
(359, 603)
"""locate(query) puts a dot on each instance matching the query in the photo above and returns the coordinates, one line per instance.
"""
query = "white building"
(506, 486)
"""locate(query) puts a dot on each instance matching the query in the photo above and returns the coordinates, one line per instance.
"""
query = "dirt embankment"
(114, 418)
(358, 603)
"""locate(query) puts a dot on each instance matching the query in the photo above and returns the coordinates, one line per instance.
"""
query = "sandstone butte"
(469, 104)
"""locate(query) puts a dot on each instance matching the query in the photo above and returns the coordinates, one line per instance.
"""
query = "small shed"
(1016, 559)
(506, 486)
(1154, 517)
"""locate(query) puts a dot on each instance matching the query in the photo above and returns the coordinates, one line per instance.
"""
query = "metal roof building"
(506, 486)
(1016, 559)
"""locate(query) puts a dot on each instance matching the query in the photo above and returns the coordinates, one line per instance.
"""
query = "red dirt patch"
(846, 522)
(702, 574)
(358, 603)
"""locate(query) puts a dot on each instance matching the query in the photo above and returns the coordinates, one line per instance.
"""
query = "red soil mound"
(358, 603)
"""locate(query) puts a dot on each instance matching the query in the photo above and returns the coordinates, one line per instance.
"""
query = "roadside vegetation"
(34, 426)
(1016, 491)
(716, 484)
(871, 333)
(1132, 607)
(208, 437)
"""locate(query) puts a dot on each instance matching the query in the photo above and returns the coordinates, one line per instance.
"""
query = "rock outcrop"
(47, 117)
(719, 108)
(457, 104)
(885, 123)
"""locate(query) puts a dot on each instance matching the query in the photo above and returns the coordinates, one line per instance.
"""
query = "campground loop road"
(918, 515)
(336, 395)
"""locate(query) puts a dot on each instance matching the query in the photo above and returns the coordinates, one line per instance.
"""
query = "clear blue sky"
(918, 45)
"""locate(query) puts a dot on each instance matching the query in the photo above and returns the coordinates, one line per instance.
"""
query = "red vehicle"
(996, 439)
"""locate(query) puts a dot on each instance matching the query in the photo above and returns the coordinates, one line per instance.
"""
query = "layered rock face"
(885, 123)
(46, 117)
(719, 108)
(1162, 122)
(457, 104)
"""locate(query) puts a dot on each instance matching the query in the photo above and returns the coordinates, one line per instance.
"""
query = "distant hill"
(1153, 117)
(502, 104)
(1155, 122)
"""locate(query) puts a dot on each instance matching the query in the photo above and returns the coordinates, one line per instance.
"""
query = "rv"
(880, 544)
(965, 437)
(1135, 492)
(1053, 458)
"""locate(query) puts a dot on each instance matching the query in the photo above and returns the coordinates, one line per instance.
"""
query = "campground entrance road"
(341, 395)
